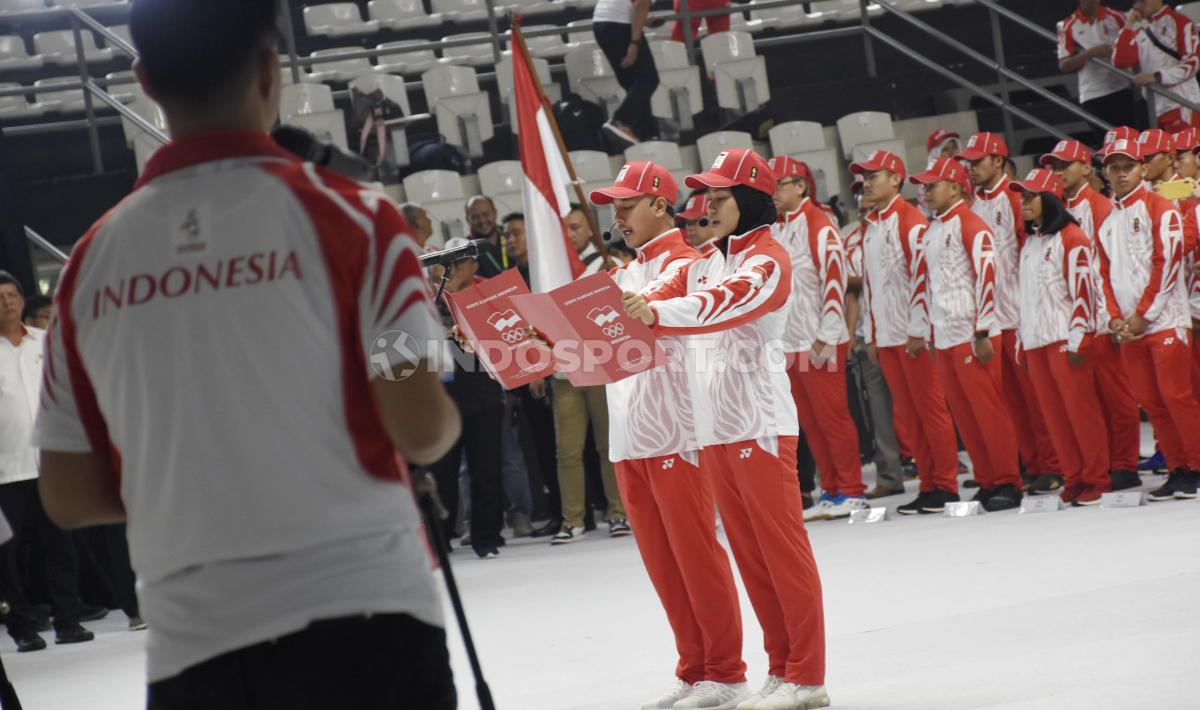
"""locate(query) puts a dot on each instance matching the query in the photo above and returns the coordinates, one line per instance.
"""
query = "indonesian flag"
(553, 261)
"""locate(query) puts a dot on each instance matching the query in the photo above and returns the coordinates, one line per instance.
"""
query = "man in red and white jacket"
(1000, 209)
(668, 495)
(954, 295)
(1072, 162)
(816, 340)
(895, 229)
(1161, 43)
(738, 291)
(1088, 33)
(1141, 270)
(1057, 325)
(1187, 165)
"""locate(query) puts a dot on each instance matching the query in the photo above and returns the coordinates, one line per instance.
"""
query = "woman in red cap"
(1057, 301)
(739, 290)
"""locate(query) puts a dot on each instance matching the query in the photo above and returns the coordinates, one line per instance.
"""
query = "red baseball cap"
(736, 166)
(1039, 180)
(981, 145)
(1187, 139)
(1068, 152)
(1155, 141)
(937, 138)
(943, 169)
(696, 207)
(856, 185)
(1125, 147)
(783, 167)
(637, 179)
(879, 160)
(1126, 132)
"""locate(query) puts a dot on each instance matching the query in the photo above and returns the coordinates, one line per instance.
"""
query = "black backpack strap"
(1159, 43)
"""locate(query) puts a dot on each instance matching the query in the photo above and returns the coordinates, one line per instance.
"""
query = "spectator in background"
(581, 235)
(621, 252)
(618, 26)
(713, 23)
(418, 220)
(1186, 163)
(691, 214)
(481, 226)
(38, 311)
(1010, 168)
(1090, 33)
(1160, 42)
(940, 144)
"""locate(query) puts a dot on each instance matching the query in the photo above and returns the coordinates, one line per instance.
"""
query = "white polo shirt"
(20, 383)
(216, 338)
(620, 11)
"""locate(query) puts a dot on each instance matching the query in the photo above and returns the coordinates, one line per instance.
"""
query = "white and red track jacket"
(1135, 48)
(890, 246)
(1141, 262)
(1057, 290)
(852, 239)
(737, 291)
(1000, 209)
(1189, 208)
(817, 306)
(954, 280)
(1077, 33)
(1090, 209)
(657, 406)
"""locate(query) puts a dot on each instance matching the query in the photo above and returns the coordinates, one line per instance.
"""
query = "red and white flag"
(553, 261)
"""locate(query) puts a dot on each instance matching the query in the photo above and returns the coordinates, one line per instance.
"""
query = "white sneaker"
(848, 506)
(667, 700)
(769, 687)
(820, 510)
(711, 695)
(790, 696)
(566, 535)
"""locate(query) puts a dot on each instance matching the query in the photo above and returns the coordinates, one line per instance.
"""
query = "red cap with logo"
(879, 160)
(784, 167)
(1039, 180)
(736, 166)
(937, 138)
(981, 145)
(1068, 152)
(696, 207)
(637, 179)
(943, 169)
(1121, 132)
(1187, 139)
(1122, 146)
(856, 185)
(1155, 141)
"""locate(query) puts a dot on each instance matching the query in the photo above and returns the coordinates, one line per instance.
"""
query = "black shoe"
(970, 483)
(549, 529)
(1004, 497)
(937, 500)
(1124, 480)
(1174, 483)
(914, 506)
(29, 641)
(1188, 489)
(1046, 483)
(806, 500)
(982, 495)
(41, 623)
(92, 613)
(73, 633)
(487, 552)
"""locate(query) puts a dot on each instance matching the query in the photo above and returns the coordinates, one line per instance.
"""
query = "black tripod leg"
(8, 694)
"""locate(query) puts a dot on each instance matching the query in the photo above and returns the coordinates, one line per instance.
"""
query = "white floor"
(1086, 608)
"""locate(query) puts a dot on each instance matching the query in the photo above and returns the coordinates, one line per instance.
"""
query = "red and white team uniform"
(816, 313)
(1121, 416)
(738, 291)
(954, 293)
(1057, 319)
(656, 454)
(1165, 45)
(320, 266)
(1141, 269)
(893, 237)
(1079, 32)
(1000, 209)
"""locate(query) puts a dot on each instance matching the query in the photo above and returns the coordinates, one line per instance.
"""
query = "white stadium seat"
(475, 55)
(533, 8)
(711, 145)
(59, 47)
(402, 14)
(121, 31)
(546, 47)
(578, 36)
(595, 171)
(310, 106)
(337, 70)
(14, 57)
(664, 153)
(504, 83)
(863, 127)
(62, 100)
(921, 5)
(142, 143)
(590, 76)
(462, 10)
(339, 19)
(862, 151)
(502, 181)
(741, 74)
(824, 164)
(394, 89)
(844, 10)
(85, 3)
(463, 113)
(125, 92)
(415, 63)
(16, 107)
(440, 192)
(9, 7)
(796, 137)
(786, 17)
(678, 96)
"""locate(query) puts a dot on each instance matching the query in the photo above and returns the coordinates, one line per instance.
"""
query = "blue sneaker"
(1155, 464)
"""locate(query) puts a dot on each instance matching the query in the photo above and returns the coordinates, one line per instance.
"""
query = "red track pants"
(672, 510)
(716, 23)
(920, 403)
(1033, 437)
(1067, 395)
(824, 413)
(1121, 417)
(974, 393)
(759, 498)
(1159, 368)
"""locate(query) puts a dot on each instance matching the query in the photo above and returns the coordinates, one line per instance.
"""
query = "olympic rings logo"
(512, 337)
(614, 330)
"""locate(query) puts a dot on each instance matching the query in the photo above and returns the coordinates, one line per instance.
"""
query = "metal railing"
(44, 244)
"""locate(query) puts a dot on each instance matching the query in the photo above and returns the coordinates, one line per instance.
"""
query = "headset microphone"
(703, 222)
(611, 234)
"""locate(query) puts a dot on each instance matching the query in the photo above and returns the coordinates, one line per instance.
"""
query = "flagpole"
(519, 45)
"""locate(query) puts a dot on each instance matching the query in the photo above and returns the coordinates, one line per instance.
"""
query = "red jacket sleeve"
(981, 246)
(1166, 261)
(1077, 272)
(1125, 50)
(912, 241)
(829, 258)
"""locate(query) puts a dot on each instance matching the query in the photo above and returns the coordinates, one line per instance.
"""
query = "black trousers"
(23, 508)
(1117, 108)
(806, 465)
(638, 81)
(384, 662)
(480, 443)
